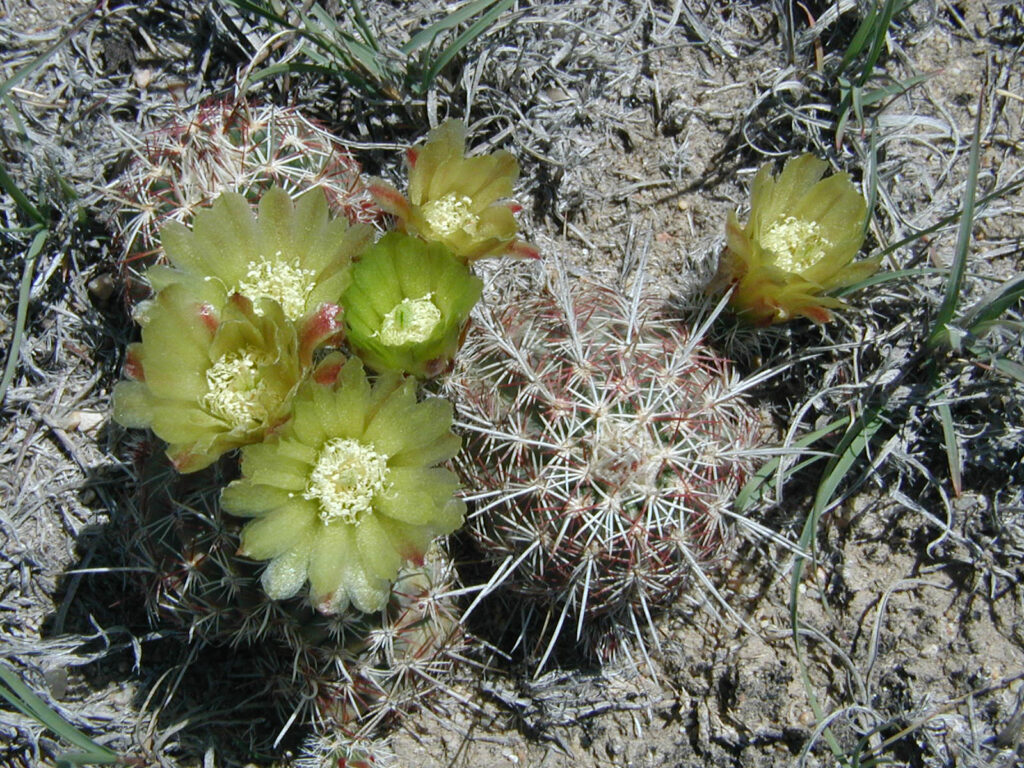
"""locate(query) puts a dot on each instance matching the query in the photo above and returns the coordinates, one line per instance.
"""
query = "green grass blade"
(879, 31)
(21, 198)
(752, 487)
(885, 277)
(979, 318)
(351, 51)
(364, 28)
(260, 9)
(14, 353)
(1003, 191)
(894, 89)
(355, 80)
(854, 443)
(1009, 368)
(859, 40)
(23, 699)
(463, 14)
(963, 242)
(952, 449)
(479, 27)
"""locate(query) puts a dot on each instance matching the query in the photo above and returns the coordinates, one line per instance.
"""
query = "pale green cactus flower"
(348, 490)
(209, 380)
(798, 244)
(407, 305)
(293, 253)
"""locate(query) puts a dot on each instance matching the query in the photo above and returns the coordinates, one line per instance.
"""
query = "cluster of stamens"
(411, 321)
(449, 214)
(283, 281)
(236, 392)
(346, 477)
(796, 244)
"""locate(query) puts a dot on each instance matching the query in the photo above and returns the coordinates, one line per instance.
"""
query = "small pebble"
(101, 288)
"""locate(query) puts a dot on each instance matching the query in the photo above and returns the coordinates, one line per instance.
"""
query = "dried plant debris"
(895, 430)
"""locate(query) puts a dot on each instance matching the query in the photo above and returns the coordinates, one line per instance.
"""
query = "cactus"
(230, 145)
(605, 443)
(347, 675)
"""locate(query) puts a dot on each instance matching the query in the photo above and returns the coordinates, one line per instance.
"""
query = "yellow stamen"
(236, 391)
(796, 245)
(283, 281)
(346, 477)
(411, 320)
(449, 214)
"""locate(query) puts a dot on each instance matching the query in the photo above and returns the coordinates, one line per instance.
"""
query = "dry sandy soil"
(638, 125)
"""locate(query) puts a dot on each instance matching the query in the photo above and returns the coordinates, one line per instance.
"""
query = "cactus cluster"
(282, 356)
(253, 344)
(181, 167)
(605, 444)
(243, 347)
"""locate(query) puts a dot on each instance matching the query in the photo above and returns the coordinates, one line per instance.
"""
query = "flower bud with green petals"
(207, 380)
(407, 305)
(799, 244)
(348, 490)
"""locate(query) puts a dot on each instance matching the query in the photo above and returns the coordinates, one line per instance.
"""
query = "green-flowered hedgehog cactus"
(605, 445)
(182, 166)
(348, 674)
(348, 490)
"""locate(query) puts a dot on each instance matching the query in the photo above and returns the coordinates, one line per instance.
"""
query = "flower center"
(411, 320)
(797, 245)
(283, 281)
(449, 214)
(236, 392)
(346, 477)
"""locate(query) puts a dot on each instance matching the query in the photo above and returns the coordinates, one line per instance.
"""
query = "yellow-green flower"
(407, 305)
(349, 490)
(799, 244)
(456, 200)
(209, 380)
(293, 253)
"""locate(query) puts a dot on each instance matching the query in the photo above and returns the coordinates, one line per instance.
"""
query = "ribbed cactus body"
(604, 446)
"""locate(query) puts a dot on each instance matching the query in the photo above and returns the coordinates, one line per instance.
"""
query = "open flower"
(349, 490)
(207, 380)
(799, 243)
(293, 253)
(455, 200)
(407, 305)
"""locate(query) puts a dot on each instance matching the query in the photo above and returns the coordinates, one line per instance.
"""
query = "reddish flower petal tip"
(323, 326)
(183, 462)
(327, 374)
(208, 315)
(520, 250)
(817, 314)
(411, 156)
(390, 199)
(133, 365)
(327, 606)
